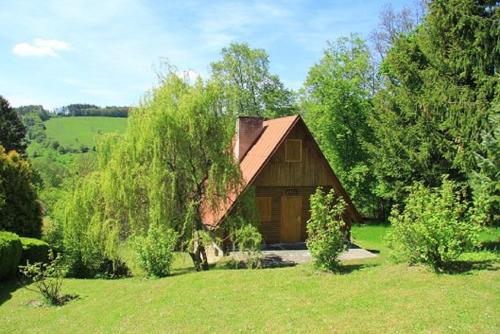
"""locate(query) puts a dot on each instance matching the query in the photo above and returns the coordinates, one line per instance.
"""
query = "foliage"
(34, 250)
(244, 74)
(486, 181)
(10, 254)
(248, 241)
(439, 84)
(337, 102)
(435, 226)
(48, 278)
(12, 130)
(156, 250)
(175, 154)
(20, 211)
(326, 229)
(38, 110)
(92, 110)
(242, 232)
(90, 240)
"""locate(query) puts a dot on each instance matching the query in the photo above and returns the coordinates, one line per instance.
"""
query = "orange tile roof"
(273, 134)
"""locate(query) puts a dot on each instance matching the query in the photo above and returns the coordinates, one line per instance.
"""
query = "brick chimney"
(248, 129)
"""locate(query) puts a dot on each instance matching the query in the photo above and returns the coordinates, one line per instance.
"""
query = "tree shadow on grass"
(492, 246)
(7, 288)
(349, 268)
(466, 267)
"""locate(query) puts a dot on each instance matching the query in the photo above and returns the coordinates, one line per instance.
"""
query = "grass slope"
(77, 131)
(369, 297)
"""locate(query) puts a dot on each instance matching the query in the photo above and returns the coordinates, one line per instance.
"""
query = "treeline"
(92, 110)
(423, 108)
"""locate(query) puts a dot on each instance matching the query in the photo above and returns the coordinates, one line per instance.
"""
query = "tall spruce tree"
(440, 82)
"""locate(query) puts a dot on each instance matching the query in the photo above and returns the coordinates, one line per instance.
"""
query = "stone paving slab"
(304, 256)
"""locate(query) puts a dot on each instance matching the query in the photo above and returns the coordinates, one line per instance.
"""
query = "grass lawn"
(77, 131)
(372, 296)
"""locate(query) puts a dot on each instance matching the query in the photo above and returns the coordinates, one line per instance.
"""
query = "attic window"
(293, 150)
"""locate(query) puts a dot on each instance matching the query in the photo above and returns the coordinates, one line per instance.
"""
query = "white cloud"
(40, 48)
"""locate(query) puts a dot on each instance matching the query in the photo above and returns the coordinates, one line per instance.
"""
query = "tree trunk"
(199, 255)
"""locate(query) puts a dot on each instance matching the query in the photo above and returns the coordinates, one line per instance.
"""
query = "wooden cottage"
(281, 159)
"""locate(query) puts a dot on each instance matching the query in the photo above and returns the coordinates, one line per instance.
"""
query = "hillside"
(76, 131)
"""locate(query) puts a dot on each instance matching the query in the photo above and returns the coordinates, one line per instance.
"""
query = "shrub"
(89, 241)
(10, 254)
(435, 226)
(248, 240)
(326, 229)
(48, 278)
(20, 210)
(156, 251)
(34, 250)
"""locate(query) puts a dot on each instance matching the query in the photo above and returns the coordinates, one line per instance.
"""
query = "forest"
(408, 120)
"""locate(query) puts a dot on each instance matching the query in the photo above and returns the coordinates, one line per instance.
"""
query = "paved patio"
(291, 254)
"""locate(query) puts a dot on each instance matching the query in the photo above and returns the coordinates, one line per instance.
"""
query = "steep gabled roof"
(274, 133)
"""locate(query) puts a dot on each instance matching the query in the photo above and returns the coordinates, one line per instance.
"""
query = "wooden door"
(291, 218)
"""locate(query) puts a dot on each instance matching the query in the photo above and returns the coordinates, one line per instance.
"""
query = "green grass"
(369, 297)
(77, 131)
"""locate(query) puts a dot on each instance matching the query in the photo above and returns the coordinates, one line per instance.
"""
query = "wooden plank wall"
(311, 171)
(271, 229)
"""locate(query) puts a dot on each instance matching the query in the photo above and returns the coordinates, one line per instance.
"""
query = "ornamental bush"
(248, 240)
(48, 278)
(20, 210)
(435, 226)
(326, 229)
(10, 254)
(34, 250)
(155, 251)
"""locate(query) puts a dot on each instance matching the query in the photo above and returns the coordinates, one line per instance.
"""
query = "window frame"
(286, 150)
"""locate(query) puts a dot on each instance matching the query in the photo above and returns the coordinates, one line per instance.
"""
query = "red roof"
(273, 134)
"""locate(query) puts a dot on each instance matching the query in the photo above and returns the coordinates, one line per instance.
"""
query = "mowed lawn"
(372, 296)
(77, 131)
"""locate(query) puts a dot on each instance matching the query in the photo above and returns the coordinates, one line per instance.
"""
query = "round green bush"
(34, 250)
(10, 254)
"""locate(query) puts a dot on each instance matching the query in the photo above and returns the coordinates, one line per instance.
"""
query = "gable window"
(293, 150)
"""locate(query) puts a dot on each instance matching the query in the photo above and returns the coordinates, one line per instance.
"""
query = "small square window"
(293, 150)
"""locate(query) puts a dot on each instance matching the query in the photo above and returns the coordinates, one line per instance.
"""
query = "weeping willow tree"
(175, 155)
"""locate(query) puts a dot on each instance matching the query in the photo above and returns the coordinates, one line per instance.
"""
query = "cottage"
(281, 159)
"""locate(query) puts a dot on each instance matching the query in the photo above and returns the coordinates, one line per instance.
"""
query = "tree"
(20, 211)
(175, 156)
(244, 74)
(485, 182)
(337, 102)
(12, 130)
(439, 83)
(393, 24)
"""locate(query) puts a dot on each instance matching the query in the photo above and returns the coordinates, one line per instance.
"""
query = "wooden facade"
(285, 165)
(286, 182)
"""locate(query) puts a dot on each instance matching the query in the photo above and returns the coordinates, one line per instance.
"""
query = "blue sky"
(107, 52)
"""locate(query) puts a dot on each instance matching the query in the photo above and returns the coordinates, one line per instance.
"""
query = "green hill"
(76, 131)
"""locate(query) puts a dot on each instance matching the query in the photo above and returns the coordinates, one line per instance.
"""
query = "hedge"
(10, 254)
(34, 250)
